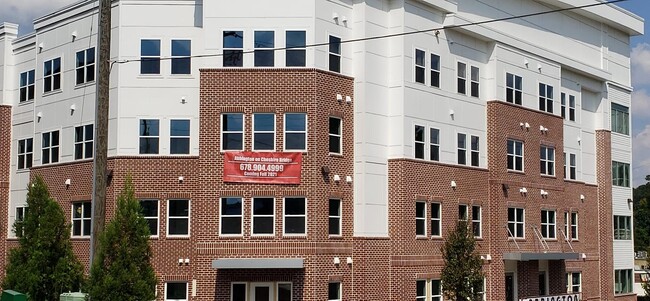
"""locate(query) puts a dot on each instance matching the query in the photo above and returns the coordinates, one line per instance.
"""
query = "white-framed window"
(475, 76)
(264, 42)
(263, 216)
(149, 136)
(335, 54)
(545, 98)
(574, 225)
(623, 281)
(622, 227)
(335, 217)
(434, 144)
(238, 291)
(176, 291)
(232, 131)
(21, 212)
(50, 147)
(515, 155)
(420, 218)
(334, 291)
(52, 75)
(26, 85)
(435, 70)
(620, 119)
(263, 131)
(572, 107)
(461, 83)
(149, 56)
(428, 290)
(83, 141)
(574, 282)
(178, 217)
(85, 66)
(233, 48)
(547, 160)
(462, 149)
(572, 166)
(513, 88)
(462, 212)
(516, 222)
(566, 225)
(179, 136)
(563, 105)
(335, 135)
(296, 40)
(421, 290)
(81, 219)
(475, 153)
(419, 141)
(25, 153)
(420, 66)
(181, 56)
(477, 229)
(548, 224)
(620, 174)
(231, 222)
(436, 220)
(295, 216)
(295, 131)
(150, 209)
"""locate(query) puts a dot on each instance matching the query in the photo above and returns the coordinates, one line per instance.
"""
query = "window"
(574, 283)
(238, 292)
(149, 56)
(176, 291)
(335, 53)
(232, 131)
(296, 53)
(264, 40)
(623, 281)
(149, 135)
(513, 88)
(548, 224)
(178, 218)
(27, 86)
(295, 131)
(545, 98)
(233, 48)
(462, 78)
(85, 66)
(334, 291)
(421, 290)
(50, 146)
(566, 225)
(25, 153)
(574, 225)
(547, 160)
(419, 142)
(179, 136)
(420, 218)
(436, 290)
(419, 66)
(295, 216)
(435, 70)
(515, 155)
(335, 135)
(572, 108)
(620, 119)
(475, 151)
(462, 149)
(181, 56)
(476, 221)
(572, 166)
(263, 216)
(622, 227)
(516, 222)
(563, 105)
(231, 216)
(436, 221)
(620, 174)
(434, 294)
(462, 212)
(52, 75)
(21, 212)
(81, 219)
(83, 142)
(263, 131)
(434, 147)
(474, 81)
(284, 291)
(335, 217)
(150, 213)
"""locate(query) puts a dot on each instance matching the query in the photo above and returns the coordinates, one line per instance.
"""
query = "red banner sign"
(262, 167)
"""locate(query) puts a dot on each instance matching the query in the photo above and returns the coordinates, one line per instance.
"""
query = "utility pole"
(101, 126)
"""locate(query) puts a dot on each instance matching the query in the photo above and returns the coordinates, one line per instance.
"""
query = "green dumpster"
(72, 297)
(10, 295)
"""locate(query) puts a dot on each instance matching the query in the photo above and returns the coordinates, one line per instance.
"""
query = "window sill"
(419, 237)
(548, 176)
(336, 155)
(79, 237)
(26, 102)
(295, 236)
(179, 237)
(231, 236)
(550, 239)
(53, 92)
(182, 76)
(337, 237)
(262, 236)
(84, 85)
(516, 239)
(436, 237)
(150, 76)
(516, 172)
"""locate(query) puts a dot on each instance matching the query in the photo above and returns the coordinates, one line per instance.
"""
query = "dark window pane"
(296, 39)
(334, 226)
(264, 122)
(239, 292)
(179, 208)
(150, 65)
(233, 122)
(263, 225)
(295, 141)
(231, 206)
(263, 206)
(233, 39)
(232, 141)
(179, 146)
(149, 127)
(284, 291)
(294, 225)
(86, 227)
(335, 45)
(178, 226)
(233, 58)
(150, 47)
(334, 290)
(264, 141)
(148, 145)
(335, 63)
(149, 208)
(296, 58)
(335, 144)
(295, 122)
(231, 225)
(294, 206)
(176, 290)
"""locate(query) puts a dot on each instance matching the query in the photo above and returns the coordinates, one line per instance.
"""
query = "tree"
(122, 267)
(462, 275)
(43, 265)
(641, 201)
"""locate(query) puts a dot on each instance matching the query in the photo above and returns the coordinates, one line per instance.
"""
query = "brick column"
(556, 277)
(605, 245)
(5, 171)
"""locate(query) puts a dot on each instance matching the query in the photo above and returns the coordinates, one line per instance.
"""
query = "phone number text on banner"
(262, 167)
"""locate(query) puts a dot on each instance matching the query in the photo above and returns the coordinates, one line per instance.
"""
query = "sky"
(23, 12)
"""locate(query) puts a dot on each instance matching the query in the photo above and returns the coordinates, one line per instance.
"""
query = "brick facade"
(5, 175)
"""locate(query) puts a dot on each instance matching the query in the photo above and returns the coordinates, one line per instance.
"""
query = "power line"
(389, 35)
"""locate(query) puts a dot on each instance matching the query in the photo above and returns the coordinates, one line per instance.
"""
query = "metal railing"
(541, 240)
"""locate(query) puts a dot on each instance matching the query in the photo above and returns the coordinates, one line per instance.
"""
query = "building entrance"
(510, 287)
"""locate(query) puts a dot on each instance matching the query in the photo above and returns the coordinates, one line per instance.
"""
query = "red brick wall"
(604, 226)
(5, 172)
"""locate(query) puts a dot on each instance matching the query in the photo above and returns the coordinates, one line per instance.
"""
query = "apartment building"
(280, 155)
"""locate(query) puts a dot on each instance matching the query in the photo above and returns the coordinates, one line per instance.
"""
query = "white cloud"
(23, 12)
(640, 103)
(641, 156)
(640, 59)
